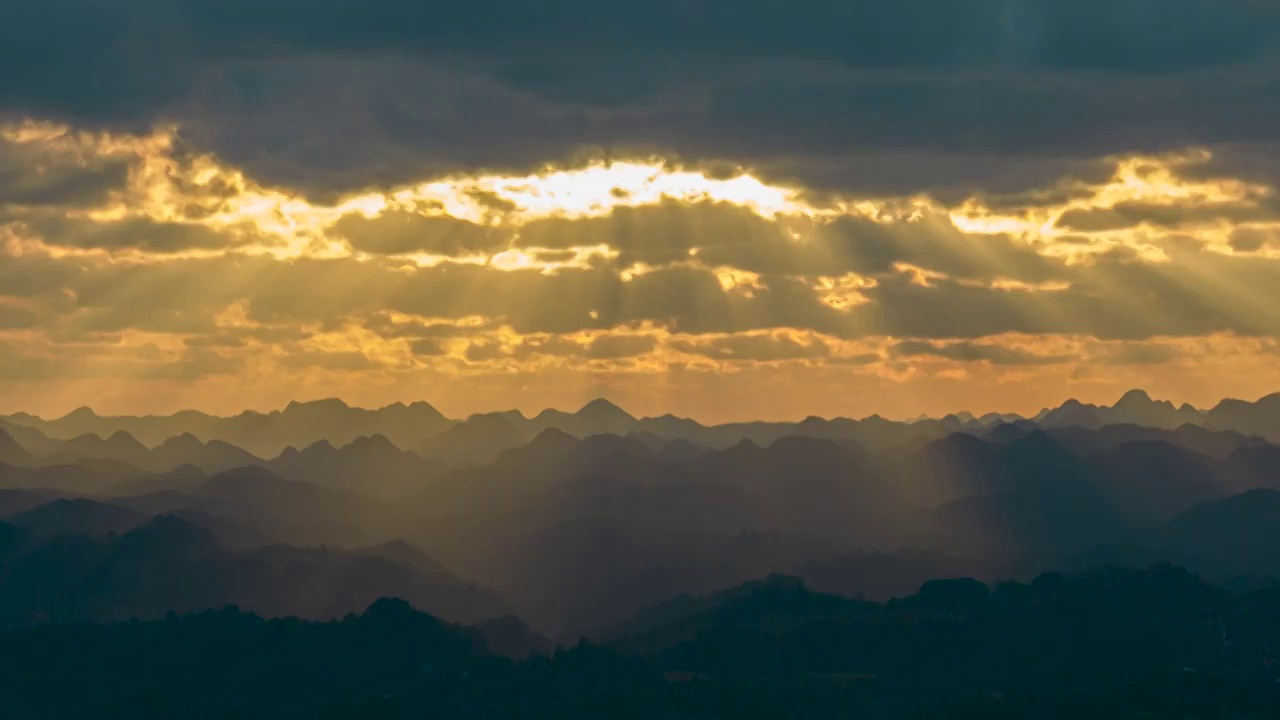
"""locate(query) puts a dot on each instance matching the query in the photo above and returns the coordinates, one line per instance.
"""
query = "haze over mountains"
(574, 521)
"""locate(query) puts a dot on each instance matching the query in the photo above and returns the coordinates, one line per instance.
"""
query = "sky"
(723, 210)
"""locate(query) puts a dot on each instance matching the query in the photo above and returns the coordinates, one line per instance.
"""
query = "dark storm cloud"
(531, 42)
(332, 94)
(397, 119)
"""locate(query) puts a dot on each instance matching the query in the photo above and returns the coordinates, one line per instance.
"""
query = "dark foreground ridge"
(1113, 643)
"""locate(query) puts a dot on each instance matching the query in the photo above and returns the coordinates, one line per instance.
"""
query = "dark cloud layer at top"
(334, 93)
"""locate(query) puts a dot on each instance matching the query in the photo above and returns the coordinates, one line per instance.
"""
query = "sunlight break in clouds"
(145, 260)
(165, 185)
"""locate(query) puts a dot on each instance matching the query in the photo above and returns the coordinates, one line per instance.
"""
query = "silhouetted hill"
(957, 466)
(98, 477)
(288, 510)
(31, 439)
(1072, 413)
(14, 501)
(212, 457)
(402, 553)
(77, 516)
(511, 637)
(1217, 444)
(1054, 504)
(262, 434)
(168, 564)
(1114, 643)
(119, 447)
(580, 528)
(420, 427)
(13, 453)
(480, 439)
(1153, 481)
(598, 417)
(369, 465)
(1253, 467)
(1260, 418)
(1238, 535)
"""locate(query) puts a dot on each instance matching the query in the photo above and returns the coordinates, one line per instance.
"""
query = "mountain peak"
(1037, 442)
(322, 404)
(170, 532)
(81, 413)
(374, 443)
(601, 405)
(605, 416)
(320, 446)
(185, 438)
(553, 438)
(121, 437)
(1133, 398)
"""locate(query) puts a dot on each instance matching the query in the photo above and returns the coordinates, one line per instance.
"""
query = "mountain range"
(574, 521)
(420, 427)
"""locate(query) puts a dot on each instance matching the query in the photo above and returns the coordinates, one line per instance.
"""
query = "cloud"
(348, 360)
(307, 96)
(35, 275)
(117, 360)
(427, 347)
(598, 347)
(16, 318)
(754, 348)
(133, 234)
(1168, 216)
(1136, 353)
(965, 351)
(1252, 239)
(824, 125)
(32, 177)
(405, 232)
(389, 241)
(614, 347)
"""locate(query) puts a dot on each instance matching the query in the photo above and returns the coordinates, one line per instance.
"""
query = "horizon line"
(603, 399)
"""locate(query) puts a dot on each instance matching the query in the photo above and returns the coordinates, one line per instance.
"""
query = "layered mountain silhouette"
(119, 564)
(480, 438)
(579, 519)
